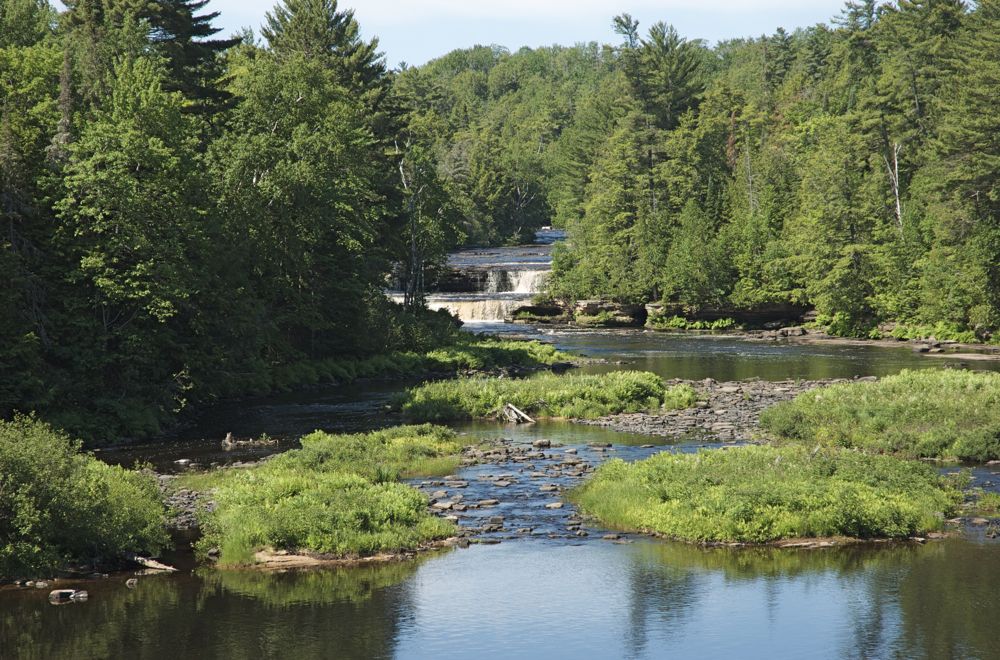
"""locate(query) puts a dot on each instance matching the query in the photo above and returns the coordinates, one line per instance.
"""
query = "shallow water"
(590, 599)
(550, 594)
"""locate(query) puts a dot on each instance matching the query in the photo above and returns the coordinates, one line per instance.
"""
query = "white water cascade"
(488, 285)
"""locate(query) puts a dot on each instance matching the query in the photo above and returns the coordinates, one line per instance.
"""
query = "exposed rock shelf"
(726, 411)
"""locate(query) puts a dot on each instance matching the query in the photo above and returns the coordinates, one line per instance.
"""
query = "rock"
(489, 502)
(442, 506)
(40, 584)
(132, 583)
(61, 594)
(439, 494)
(496, 520)
(541, 444)
(503, 483)
(548, 488)
(611, 537)
(183, 461)
(554, 505)
(570, 451)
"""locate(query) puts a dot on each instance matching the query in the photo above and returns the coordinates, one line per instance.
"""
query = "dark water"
(548, 595)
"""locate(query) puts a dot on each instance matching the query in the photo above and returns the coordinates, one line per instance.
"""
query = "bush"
(939, 413)
(681, 323)
(545, 395)
(941, 331)
(336, 496)
(763, 494)
(59, 507)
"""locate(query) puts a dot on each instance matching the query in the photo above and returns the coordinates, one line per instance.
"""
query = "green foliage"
(849, 169)
(764, 494)
(941, 331)
(60, 507)
(336, 496)
(940, 413)
(545, 395)
(681, 323)
(988, 504)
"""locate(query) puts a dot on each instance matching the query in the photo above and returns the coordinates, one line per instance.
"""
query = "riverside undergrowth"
(337, 496)
(760, 494)
(60, 507)
(545, 395)
(934, 413)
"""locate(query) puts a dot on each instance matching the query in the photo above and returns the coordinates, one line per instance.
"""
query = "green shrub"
(681, 323)
(763, 494)
(935, 413)
(545, 395)
(335, 496)
(941, 331)
(60, 507)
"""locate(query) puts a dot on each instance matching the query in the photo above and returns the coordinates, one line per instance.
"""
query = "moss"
(764, 494)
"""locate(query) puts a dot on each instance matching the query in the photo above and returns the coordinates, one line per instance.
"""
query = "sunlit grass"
(763, 494)
(934, 413)
(546, 395)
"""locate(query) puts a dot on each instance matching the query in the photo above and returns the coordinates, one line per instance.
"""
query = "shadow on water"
(344, 613)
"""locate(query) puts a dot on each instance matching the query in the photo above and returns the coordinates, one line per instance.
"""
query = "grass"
(988, 504)
(546, 395)
(941, 414)
(765, 494)
(60, 507)
(338, 495)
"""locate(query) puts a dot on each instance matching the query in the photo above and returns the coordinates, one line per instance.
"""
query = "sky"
(415, 31)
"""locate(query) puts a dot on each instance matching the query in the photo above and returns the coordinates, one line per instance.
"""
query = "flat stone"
(488, 502)
(554, 505)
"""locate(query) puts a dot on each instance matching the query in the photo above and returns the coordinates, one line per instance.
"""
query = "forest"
(185, 217)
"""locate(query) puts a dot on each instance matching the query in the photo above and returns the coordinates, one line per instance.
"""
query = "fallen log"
(515, 415)
(150, 563)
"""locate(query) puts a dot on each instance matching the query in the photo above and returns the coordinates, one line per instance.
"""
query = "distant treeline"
(180, 215)
(851, 168)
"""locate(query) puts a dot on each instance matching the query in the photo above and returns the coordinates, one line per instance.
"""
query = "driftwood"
(514, 415)
(150, 563)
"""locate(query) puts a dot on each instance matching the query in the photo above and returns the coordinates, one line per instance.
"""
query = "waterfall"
(490, 284)
(527, 281)
(478, 310)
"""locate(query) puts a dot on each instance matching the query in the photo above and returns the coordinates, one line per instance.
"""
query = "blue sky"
(420, 30)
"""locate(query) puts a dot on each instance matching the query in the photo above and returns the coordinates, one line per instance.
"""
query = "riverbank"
(726, 412)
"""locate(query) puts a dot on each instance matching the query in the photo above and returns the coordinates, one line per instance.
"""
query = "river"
(551, 592)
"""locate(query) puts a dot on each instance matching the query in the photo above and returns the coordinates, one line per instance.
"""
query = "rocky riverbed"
(726, 412)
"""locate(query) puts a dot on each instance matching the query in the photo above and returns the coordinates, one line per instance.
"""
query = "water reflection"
(348, 613)
(526, 599)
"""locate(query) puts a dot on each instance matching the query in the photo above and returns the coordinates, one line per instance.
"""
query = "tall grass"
(763, 494)
(546, 395)
(336, 496)
(940, 413)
